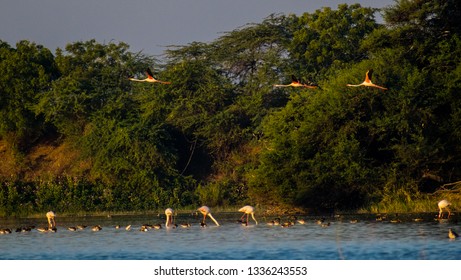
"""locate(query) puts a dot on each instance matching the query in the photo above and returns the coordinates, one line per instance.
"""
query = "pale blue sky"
(146, 25)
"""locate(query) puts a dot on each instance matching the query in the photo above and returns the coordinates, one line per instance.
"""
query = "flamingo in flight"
(443, 204)
(169, 220)
(150, 78)
(206, 212)
(367, 82)
(297, 83)
(248, 210)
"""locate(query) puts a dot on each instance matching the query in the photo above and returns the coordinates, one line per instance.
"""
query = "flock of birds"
(205, 211)
(294, 81)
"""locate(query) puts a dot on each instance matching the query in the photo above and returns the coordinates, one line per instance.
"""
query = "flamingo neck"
(169, 221)
(211, 217)
(253, 216)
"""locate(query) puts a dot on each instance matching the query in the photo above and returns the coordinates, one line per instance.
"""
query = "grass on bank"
(404, 202)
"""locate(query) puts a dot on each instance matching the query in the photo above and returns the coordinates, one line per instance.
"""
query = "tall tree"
(331, 38)
(25, 72)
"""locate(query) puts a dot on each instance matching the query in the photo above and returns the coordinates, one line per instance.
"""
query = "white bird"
(247, 210)
(367, 82)
(206, 212)
(150, 78)
(443, 204)
(169, 220)
(51, 220)
(297, 83)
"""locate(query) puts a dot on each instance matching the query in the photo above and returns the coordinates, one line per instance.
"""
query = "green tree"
(26, 72)
(92, 74)
(330, 38)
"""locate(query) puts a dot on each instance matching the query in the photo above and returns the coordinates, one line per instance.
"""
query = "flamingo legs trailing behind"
(367, 82)
(248, 210)
(205, 211)
(297, 83)
(150, 78)
(443, 204)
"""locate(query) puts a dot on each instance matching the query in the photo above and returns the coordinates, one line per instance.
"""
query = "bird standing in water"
(206, 212)
(443, 204)
(51, 217)
(248, 210)
(169, 217)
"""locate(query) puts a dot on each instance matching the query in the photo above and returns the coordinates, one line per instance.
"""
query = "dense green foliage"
(221, 134)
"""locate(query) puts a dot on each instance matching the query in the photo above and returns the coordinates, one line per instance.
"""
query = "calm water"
(366, 239)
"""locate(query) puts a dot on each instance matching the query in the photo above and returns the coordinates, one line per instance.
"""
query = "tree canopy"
(221, 133)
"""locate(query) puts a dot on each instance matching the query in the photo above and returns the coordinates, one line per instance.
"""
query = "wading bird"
(367, 82)
(443, 204)
(150, 78)
(206, 212)
(297, 83)
(248, 210)
(50, 216)
(169, 217)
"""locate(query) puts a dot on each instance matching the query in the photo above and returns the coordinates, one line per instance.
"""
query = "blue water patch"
(367, 239)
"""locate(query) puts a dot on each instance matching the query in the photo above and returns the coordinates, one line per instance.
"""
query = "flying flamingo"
(443, 204)
(150, 78)
(169, 221)
(247, 210)
(297, 83)
(367, 82)
(206, 212)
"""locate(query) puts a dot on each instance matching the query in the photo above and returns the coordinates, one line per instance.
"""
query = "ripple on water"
(366, 239)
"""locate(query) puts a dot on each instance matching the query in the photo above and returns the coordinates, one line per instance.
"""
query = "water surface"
(366, 239)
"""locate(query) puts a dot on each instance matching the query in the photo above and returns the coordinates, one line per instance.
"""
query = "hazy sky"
(146, 25)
